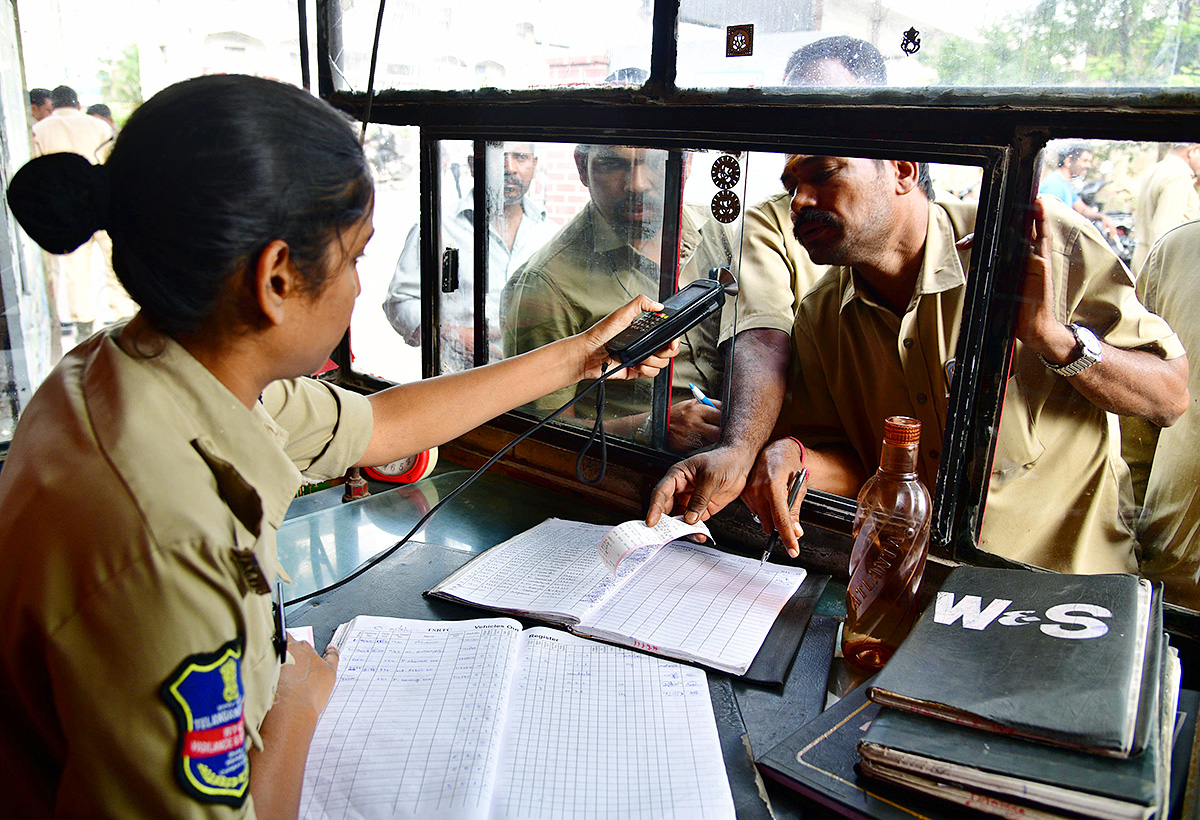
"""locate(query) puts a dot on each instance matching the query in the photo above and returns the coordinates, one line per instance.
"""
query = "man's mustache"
(808, 216)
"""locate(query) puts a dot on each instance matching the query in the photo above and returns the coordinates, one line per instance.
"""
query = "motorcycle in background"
(1121, 240)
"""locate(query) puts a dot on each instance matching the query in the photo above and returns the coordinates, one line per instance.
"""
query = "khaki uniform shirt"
(773, 270)
(586, 273)
(1057, 478)
(71, 130)
(1169, 523)
(132, 487)
(1167, 198)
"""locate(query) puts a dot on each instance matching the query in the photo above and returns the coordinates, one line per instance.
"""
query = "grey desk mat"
(393, 589)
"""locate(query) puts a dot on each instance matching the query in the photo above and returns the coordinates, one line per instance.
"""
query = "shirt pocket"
(1018, 447)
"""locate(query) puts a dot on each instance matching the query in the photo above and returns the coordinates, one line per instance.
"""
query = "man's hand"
(703, 484)
(766, 492)
(693, 424)
(1037, 325)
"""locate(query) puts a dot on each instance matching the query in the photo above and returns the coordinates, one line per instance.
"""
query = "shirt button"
(922, 398)
(908, 343)
(934, 454)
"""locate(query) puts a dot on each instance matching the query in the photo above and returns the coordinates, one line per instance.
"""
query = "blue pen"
(698, 394)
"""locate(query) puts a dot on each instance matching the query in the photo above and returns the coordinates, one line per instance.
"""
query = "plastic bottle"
(891, 540)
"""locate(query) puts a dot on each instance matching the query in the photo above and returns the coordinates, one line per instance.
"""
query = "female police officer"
(148, 474)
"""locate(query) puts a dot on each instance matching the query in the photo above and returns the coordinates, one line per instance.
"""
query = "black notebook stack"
(1019, 694)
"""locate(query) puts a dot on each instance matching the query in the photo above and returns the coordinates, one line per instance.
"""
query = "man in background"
(40, 105)
(104, 113)
(607, 254)
(515, 230)
(1074, 161)
(70, 130)
(1167, 198)
(1168, 522)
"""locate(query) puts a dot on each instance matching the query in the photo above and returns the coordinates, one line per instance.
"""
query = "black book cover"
(1008, 766)
(1055, 658)
(819, 761)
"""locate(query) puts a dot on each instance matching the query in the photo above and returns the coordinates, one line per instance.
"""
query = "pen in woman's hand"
(793, 490)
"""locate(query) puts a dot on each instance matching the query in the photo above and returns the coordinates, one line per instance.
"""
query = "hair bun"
(60, 200)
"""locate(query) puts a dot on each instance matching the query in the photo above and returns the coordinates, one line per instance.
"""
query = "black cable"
(362, 138)
(597, 431)
(604, 374)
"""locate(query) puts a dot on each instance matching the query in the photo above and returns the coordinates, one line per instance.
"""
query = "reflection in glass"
(1055, 441)
(392, 153)
(607, 254)
(517, 226)
(511, 44)
(1018, 43)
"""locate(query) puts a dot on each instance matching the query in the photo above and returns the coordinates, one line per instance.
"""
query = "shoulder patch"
(206, 696)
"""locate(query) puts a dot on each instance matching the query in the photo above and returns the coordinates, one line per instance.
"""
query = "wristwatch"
(1089, 349)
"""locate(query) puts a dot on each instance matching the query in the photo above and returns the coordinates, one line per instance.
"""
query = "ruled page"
(414, 724)
(692, 602)
(552, 570)
(597, 732)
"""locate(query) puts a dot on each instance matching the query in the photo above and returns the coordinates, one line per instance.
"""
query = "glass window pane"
(385, 328)
(1077, 43)
(1123, 487)
(514, 44)
(612, 202)
(860, 261)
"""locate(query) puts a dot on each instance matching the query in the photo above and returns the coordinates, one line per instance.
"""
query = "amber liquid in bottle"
(891, 540)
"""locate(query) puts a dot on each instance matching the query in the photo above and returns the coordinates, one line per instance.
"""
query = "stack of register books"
(1031, 695)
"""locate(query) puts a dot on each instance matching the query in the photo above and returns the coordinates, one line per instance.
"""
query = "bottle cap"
(901, 431)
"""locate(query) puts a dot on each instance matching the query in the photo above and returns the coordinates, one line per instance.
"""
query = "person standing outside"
(40, 105)
(1166, 199)
(1074, 161)
(70, 130)
(515, 231)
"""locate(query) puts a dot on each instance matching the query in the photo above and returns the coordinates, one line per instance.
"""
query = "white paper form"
(625, 539)
(413, 726)
(697, 603)
(597, 732)
(552, 569)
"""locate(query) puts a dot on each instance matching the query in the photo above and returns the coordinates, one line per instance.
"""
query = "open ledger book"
(477, 719)
(627, 585)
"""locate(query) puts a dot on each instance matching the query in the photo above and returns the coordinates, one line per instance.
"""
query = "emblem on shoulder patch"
(206, 696)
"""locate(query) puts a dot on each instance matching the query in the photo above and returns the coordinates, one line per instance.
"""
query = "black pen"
(793, 491)
(280, 640)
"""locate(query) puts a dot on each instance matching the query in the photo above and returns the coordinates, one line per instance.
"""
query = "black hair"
(859, 57)
(64, 97)
(100, 110)
(1072, 151)
(38, 96)
(925, 181)
(203, 177)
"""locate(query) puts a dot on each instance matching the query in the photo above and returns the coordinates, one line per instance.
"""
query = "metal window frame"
(1001, 130)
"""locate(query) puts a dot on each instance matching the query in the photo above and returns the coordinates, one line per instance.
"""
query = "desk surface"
(323, 540)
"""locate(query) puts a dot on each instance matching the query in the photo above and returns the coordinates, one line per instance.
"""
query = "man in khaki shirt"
(773, 272)
(196, 672)
(605, 255)
(70, 130)
(877, 337)
(1168, 523)
(1167, 198)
